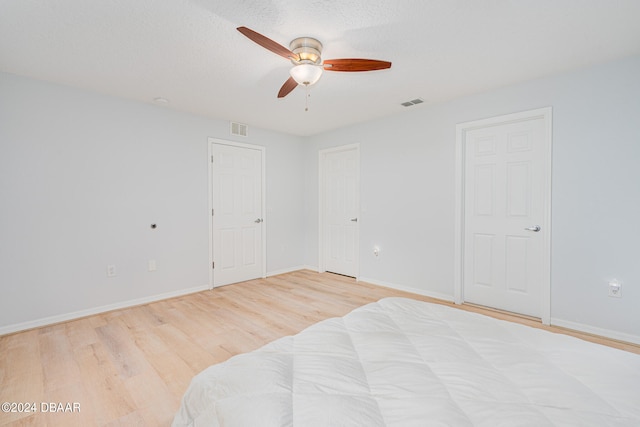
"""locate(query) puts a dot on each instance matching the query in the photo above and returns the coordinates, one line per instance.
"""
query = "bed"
(402, 362)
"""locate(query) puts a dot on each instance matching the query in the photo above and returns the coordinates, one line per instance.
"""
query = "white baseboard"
(436, 295)
(45, 321)
(594, 330)
(290, 270)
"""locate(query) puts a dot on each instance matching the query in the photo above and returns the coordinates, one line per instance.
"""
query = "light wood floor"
(131, 366)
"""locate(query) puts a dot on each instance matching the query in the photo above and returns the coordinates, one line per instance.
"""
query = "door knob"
(258, 221)
(354, 219)
(535, 228)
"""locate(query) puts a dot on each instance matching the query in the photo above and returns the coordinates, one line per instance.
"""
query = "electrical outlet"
(376, 251)
(111, 270)
(152, 265)
(615, 289)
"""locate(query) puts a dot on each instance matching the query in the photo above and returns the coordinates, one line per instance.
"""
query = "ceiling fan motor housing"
(308, 50)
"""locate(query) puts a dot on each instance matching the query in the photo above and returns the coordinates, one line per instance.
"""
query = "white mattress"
(401, 362)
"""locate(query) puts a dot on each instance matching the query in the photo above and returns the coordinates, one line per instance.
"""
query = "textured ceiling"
(189, 52)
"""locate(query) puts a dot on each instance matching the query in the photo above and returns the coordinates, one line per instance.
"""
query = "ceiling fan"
(304, 54)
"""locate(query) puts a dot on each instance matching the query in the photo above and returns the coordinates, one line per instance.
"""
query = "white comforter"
(401, 362)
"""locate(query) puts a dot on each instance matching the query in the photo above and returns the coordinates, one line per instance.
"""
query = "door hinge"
(213, 264)
(212, 212)
(212, 158)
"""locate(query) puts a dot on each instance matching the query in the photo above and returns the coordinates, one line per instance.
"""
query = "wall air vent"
(239, 129)
(412, 102)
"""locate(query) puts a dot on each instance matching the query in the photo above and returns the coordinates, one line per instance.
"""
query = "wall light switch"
(152, 265)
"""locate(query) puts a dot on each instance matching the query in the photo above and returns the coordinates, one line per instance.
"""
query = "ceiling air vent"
(412, 102)
(239, 129)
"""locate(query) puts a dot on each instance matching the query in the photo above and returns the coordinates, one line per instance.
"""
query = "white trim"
(262, 149)
(312, 268)
(435, 295)
(461, 129)
(210, 210)
(293, 269)
(321, 203)
(285, 271)
(46, 321)
(607, 333)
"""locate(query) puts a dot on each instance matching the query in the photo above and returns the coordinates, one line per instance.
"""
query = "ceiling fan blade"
(267, 43)
(354, 64)
(287, 87)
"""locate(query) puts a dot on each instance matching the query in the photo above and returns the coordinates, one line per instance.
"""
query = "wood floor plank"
(57, 359)
(106, 396)
(123, 352)
(80, 333)
(21, 373)
(131, 366)
(152, 395)
(166, 361)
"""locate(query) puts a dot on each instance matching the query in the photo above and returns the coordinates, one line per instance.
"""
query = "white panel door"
(504, 210)
(237, 214)
(340, 175)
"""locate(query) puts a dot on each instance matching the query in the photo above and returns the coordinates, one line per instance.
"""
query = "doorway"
(339, 209)
(237, 212)
(503, 213)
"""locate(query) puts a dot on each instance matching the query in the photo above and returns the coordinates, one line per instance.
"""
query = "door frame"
(211, 141)
(461, 130)
(321, 204)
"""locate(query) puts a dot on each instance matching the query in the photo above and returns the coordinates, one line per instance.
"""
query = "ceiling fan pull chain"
(306, 98)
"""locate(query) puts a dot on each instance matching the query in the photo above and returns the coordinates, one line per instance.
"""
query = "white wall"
(82, 178)
(407, 192)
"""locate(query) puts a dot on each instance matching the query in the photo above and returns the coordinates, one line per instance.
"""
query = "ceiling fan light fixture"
(304, 53)
(306, 74)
